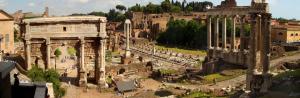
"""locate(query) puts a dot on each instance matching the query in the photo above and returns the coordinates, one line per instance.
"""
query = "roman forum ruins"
(256, 56)
(86, 34)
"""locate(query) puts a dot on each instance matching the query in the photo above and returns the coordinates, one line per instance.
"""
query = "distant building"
(6, 32)
(286, 32)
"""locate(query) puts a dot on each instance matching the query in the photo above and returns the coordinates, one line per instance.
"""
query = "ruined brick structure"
(87, 34)
(149, 25)
(256, 58)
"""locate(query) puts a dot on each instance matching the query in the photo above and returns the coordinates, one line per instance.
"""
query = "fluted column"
(209, 32)
(48, 45)
(127, 31)
(233, 44)
(224, 43)
(28, 54)
(216, 30)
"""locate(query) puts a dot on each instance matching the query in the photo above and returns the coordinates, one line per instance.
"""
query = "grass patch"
(184, 51)
(220, 77)
(295, 73)
(199, 95)
(167, 71)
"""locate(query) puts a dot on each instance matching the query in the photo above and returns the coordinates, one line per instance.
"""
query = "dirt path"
(235, 81)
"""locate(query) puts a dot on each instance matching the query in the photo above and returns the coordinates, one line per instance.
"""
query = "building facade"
(285, 33)
(85, 34)
(6, 32)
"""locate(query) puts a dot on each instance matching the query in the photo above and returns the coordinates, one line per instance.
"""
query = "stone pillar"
(253, 54)
(127, 31)
(242, 33)
(48, 45)
(266, 28)
(102, 78)
(233, 33)
(209, 32)
(28, 54)
(216, 35)
(82, 71)
(224, 35)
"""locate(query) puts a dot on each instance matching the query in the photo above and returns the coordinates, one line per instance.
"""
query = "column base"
(246, 94)
(82, 79)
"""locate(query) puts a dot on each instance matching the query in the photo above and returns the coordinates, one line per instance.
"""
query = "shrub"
(39, 75)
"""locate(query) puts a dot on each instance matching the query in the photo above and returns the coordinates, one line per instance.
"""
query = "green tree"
(121, 7)
(115, 16)
(136, 8)
(175, 9)
(166, 6)
(97, 13)
(57, 53)
(72, 51)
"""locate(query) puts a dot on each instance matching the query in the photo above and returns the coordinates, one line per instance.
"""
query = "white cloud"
(2, 3)
(31, 4)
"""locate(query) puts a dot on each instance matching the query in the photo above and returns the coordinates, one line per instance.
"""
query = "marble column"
(209, 32)
(48, 45)
(28, 54)
(216, 30)
(224, 35)
(127, 31)
(242, 33)
(102, 78)
(233, 44)
(82, 71)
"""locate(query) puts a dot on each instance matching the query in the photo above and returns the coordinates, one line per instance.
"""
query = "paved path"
(235, 81)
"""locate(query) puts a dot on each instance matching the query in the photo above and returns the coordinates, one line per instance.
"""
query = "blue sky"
(279, 8)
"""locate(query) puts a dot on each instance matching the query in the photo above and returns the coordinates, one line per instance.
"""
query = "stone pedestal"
(82, 78)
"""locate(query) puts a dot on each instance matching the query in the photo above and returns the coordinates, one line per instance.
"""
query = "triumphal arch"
(84, 35)
(255, 55)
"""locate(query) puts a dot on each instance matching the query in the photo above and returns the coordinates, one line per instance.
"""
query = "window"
(280, 33)
(65, 29)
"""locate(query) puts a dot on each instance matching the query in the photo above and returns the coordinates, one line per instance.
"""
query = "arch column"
(102, 53)
(82, 71)
(48, 50)
(28, 54)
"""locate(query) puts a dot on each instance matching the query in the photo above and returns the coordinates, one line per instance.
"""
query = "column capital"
(28, 42)
(82, 41)
(47, 39)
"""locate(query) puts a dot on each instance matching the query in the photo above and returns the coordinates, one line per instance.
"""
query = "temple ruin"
(256, 56)
(86, 34)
